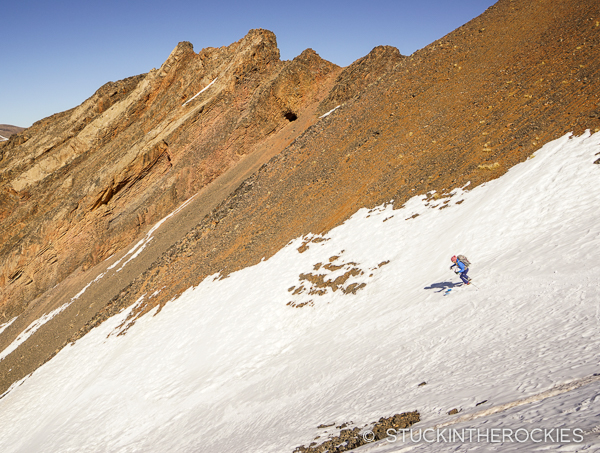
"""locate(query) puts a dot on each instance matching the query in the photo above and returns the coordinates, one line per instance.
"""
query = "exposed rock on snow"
(349, 439)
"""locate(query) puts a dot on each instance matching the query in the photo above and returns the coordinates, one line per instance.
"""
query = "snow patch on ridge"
(330, 112)
(31, 329)
(141, 245)
(199, 92)
(6, 325)
(38, 323)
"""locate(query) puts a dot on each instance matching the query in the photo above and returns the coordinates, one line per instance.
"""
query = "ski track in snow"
(229, 367)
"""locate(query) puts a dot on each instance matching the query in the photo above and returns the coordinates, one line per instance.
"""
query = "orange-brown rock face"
(356, 77)
(465, 108)
(82, 185)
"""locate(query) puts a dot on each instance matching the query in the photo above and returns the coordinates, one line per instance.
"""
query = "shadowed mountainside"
(82, 185)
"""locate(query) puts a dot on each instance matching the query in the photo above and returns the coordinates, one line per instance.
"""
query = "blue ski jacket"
(461, 266)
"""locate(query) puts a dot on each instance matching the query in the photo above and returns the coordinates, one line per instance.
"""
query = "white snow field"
(231, 367)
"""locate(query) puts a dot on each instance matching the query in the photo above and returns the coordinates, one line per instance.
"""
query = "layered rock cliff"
(241, 136)
(84, 183)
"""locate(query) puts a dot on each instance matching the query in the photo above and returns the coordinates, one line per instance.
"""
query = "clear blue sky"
(55, 54)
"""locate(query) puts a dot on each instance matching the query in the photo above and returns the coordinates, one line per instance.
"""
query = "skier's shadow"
(442, 286)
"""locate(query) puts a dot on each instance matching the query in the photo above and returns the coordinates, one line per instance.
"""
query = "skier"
(462, 269)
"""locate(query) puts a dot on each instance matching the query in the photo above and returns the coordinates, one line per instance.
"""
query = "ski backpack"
(463, 259)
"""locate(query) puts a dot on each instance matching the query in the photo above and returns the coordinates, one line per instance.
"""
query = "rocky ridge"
(92, 180)
(462, 110)
(94, 177)
(84, 184)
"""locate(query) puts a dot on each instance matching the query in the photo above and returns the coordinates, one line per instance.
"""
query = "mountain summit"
(86, 183)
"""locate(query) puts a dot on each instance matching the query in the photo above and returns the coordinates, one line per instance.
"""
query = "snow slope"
(243, 364)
